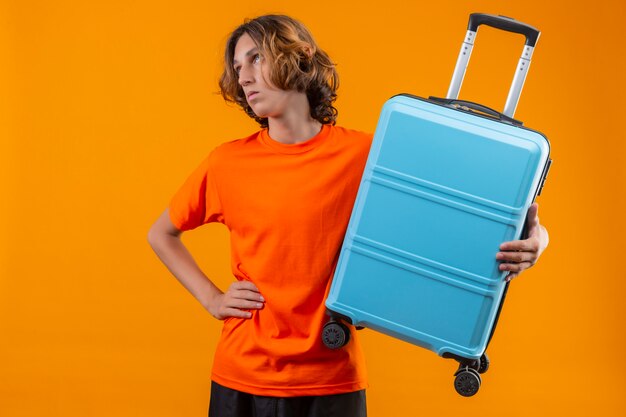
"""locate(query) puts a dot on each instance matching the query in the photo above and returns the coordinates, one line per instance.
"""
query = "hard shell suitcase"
(446, 182)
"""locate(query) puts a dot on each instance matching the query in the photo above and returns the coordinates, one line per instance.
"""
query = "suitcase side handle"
(504, 23)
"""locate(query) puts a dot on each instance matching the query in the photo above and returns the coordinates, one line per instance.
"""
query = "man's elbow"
(153, 236)
(163, 229)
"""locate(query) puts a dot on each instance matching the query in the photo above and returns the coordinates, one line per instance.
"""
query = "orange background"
(106, 106)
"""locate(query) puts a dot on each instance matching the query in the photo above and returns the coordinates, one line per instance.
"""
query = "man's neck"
(295, 132)
(295, 125)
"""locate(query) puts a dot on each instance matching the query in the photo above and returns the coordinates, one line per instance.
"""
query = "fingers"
(533, 210)
(517, 268)
(233, 307)
(247, 295)
(510, 276)
(244, 285)
(532, 220)
(241, 297)
(514, 269)
(235, 312)
(516, 257)
(242, 304)
(526, 245)
(245, 290)
(516, 261)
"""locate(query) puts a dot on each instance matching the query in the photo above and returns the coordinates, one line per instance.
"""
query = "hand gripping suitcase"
(445, 183)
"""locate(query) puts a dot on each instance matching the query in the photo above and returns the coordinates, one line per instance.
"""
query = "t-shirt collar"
(295, 148)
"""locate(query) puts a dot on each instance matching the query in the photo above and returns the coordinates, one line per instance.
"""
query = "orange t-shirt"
(287, 208)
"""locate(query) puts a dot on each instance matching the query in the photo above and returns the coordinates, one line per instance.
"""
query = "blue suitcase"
(446, 182)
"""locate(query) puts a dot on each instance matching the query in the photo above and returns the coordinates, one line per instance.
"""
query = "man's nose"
(245, 76)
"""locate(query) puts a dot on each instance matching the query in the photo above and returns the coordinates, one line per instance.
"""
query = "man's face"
(265, 99)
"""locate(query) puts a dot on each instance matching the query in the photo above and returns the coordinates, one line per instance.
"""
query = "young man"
(285, 193)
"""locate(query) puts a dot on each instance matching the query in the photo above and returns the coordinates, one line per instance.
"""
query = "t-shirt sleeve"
(197, 202)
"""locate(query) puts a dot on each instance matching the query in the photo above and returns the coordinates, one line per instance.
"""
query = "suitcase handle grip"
(475, 106)
(504, 23)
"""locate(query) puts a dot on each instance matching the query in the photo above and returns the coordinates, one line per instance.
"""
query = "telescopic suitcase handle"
(503, 23)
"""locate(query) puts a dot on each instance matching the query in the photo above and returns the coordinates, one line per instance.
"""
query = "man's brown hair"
(295, 63)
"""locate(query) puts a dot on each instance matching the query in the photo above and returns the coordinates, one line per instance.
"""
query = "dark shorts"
(226, 402)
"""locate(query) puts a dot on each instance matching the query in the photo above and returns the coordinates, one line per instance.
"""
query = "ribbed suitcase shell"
(441, 190)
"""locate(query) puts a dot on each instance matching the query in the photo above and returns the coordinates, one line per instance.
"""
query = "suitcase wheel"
(335, 334)
(467, 382)
(484, 364)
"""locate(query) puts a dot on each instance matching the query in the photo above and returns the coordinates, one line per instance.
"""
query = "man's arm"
(165, 240)
(518, 255)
